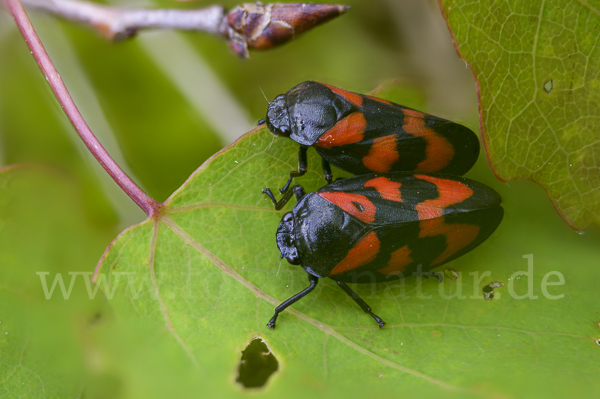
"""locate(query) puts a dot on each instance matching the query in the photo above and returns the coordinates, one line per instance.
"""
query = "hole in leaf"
(548, 86)
(598, 342)
(488, 290)
(451, 274)
(257, 365)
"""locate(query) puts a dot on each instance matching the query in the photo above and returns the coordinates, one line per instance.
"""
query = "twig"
(148, 205)
(119, 24)
(248, 26)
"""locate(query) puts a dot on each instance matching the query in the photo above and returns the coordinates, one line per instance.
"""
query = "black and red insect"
(380, 227)
(363, 134)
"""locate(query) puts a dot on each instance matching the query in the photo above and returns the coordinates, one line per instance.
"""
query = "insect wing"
(396, 198)
(413, 220)
(380, 136)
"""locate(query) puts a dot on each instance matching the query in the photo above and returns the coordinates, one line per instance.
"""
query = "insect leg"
(360, 303)
(313, 283)
(260, 122)
(327, 171)
(302, 168)
(297, 191)
(281, 203)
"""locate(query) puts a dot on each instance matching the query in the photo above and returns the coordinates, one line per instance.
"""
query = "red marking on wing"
(412, 113)
(381, 100)
(388, 189)
(353, 98)
(457, 235)
(349, 130)
(450, 192)
(399, 259)
(347, 202)
(382, 154)
(362, 253)
(439, 151)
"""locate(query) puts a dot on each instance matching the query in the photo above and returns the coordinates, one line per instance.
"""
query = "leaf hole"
(549, 86)
(256, 365)
(451, 274)
(598, 342)
(488, 290)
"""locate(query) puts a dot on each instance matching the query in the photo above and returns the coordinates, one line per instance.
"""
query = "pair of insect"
(407, 210)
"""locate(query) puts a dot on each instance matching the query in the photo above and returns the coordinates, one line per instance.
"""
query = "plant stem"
(148, 205)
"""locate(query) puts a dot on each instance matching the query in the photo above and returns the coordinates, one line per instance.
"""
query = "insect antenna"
(264, 95)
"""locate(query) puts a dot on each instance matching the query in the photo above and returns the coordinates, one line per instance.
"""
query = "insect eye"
(293, 259)
(287, 217)
(277, 117)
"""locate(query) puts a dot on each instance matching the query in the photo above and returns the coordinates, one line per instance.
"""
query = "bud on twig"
(257, 26)
(248, 26)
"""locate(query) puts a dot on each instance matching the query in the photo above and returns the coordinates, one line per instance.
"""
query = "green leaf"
(204, 276)
(539, 98)
(45, 234)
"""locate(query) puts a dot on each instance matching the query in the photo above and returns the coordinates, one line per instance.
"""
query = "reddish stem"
(148, 205)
